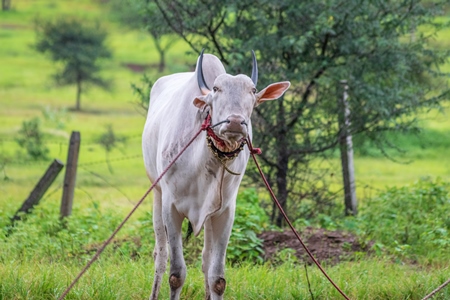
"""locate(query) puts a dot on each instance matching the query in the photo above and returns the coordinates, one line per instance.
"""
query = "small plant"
(4, 160)
(249, 221)
(109, 140)
(55, 116)
(31, 138)
(142, 92)
(411, 222)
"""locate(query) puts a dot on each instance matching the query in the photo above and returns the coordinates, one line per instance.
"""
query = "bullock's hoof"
(219, 286)
(175, 282)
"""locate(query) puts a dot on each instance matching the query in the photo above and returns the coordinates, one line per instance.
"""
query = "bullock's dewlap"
(198, 187)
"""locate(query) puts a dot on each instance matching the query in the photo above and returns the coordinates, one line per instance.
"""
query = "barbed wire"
(66, 140)
(106, 161)
(48, 195)
(107, 182)
(24, 162)
(7, 161)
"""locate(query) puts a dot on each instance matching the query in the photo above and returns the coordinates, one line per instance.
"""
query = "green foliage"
(42, 235)
(250, 219)
(109, 141)
(31, 138)
(142, 92)
(316, 44)
(143, 14)
(411, 222)
(115, 275)
(122, 279)
(56, 117)
(78, 47)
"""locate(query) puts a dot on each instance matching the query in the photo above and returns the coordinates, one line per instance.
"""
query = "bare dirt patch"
(325, 245)
(12, 26)
(139, 68)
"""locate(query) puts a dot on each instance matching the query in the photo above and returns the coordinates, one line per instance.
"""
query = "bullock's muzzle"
(234, 129)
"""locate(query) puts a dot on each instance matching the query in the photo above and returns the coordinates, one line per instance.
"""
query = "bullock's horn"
(200, 79)
(254, 69)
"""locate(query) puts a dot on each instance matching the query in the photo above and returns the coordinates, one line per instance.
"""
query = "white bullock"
(203, 183)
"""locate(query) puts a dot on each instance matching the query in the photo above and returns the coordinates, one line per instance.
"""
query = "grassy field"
(367, 280)
(26, 91)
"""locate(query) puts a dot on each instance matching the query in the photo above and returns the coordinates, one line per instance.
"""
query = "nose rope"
(223, 157)
(221, 122)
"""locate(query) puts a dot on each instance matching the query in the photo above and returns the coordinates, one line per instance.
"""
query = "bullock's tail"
(189, 232)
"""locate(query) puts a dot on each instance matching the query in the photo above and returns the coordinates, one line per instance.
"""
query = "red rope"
(100, 250)
(253, 151)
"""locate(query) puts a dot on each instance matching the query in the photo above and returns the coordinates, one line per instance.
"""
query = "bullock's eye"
(253, 90)
(215, 89)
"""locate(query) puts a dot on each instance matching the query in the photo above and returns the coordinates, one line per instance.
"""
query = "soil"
(326, 246)
(139, 68)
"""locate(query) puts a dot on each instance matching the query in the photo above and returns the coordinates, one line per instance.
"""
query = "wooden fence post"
(40, 188)
(346, 148)
(71, 175)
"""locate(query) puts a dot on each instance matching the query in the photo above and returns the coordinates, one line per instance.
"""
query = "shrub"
(250, 220)
(31, 139)
(411, 222)
(42, 235)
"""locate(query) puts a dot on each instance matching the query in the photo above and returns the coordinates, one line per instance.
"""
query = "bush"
(42, 235)
(31, 139)
(250, 220)
(411, 222)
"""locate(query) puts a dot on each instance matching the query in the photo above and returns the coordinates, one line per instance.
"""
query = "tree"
(315, 45)
(144, 14)
(79, 47)
(6, 5)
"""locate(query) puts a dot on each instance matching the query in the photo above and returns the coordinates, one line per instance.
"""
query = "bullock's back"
(172, 115)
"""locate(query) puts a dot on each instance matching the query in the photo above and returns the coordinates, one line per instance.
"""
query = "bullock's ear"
(200, 102)
(272, 92)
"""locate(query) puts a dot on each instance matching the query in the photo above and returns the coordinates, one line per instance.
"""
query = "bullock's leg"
(206, 255)
(173, 221)
(217, 235)
(160, 251)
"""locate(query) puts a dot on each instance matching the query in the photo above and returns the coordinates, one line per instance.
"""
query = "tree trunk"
(162, 61)
(282, 185)
(346, 149)
(6, 5)
(161, 52)
(282, 162)
(78, 104)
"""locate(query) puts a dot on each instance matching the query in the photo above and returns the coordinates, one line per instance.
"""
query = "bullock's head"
(231, 101)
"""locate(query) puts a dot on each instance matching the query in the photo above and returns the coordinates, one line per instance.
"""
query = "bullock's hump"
(212, 67)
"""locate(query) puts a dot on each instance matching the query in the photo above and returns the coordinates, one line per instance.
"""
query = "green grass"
(26, 90)
(370, 279)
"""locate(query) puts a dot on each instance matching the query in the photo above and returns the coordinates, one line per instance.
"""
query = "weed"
(57, 117)
(411, 222)
(250, 220)
(109, 140)
(31, 138)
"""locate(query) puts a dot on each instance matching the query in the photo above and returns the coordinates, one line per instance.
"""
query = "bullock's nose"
(235, 123)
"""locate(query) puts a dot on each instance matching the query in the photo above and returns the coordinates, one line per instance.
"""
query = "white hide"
(197, 187)
(195, 179)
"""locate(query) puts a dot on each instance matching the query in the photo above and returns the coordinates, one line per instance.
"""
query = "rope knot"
(256, 151)
(206, 123)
